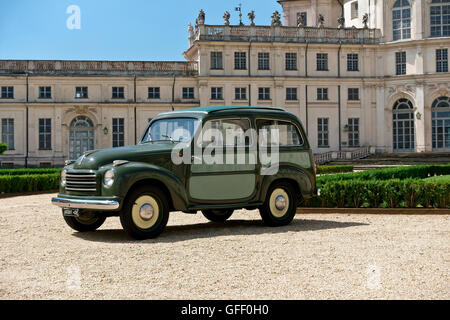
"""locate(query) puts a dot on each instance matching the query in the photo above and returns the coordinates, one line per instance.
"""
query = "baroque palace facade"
(356, 72)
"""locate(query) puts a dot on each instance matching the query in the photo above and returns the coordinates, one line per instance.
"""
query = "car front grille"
(81, 182)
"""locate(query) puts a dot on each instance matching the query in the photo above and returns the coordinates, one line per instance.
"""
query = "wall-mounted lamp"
(105, 130)
(418, 116)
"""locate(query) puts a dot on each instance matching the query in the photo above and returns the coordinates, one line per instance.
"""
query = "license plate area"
(69, 212)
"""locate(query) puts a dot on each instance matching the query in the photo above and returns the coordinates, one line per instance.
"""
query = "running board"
(225, 206)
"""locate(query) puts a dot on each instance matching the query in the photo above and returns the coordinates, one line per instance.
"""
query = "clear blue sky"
(112, 29)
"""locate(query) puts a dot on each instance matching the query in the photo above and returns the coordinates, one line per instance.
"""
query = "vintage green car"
(208, 159)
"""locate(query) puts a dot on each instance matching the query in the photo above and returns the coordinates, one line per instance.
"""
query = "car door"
(225, 170)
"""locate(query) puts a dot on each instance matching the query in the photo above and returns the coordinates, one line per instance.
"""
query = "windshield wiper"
(169, 137)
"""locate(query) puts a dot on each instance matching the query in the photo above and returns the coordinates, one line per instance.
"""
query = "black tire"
(88, 221)
(270, 214)
(219, 215)
(134, 224)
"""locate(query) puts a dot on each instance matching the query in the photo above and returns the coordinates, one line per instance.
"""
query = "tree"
(3, 147)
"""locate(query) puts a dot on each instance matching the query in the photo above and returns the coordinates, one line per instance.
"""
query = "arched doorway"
(440, 110)
(81, 136)
(403, 126)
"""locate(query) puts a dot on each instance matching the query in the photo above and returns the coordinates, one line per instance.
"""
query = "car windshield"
(173, 129)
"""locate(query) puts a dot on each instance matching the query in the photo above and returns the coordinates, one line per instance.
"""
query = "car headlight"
(108, 179)
(63, 177)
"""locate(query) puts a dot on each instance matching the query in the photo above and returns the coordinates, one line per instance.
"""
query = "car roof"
(210, 110)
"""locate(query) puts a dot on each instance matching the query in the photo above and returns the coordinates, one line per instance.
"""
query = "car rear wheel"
(145, 213)
(217, 215)
(87, 221)
(279, 208)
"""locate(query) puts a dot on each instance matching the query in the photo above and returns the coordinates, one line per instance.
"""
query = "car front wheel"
(145, 213)
(279, 207)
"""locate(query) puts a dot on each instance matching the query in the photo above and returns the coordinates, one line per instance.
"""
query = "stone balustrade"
(286, 34)
(98, 67)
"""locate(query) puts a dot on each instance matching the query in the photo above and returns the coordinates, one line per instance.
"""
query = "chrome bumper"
(86, 204)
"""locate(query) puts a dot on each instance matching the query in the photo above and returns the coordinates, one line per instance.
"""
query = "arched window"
(403, 126)
(81, 136)
(401, 20)
(440, 18)
(440, 110)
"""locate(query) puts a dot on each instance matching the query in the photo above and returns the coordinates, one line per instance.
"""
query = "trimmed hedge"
(394, 193)
(415, 172)
(29, 183)
(3, 147)
(28, 171)
(334, 169)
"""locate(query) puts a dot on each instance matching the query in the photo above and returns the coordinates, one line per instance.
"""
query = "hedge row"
(393, 193)
(29, 183)
(417, 172)
(334, 169)
(28, 171)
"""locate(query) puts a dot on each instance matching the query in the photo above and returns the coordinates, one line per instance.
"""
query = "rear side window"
(288, 133)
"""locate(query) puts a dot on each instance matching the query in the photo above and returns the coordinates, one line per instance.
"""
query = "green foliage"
(413, 172)
(334, 169)
(3, 147)
(27, 171)
(29, 183)
(392, 193)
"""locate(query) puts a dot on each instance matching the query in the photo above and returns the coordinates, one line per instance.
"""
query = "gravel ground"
(317, 257)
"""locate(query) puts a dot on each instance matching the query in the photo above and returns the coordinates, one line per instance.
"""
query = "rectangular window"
(263, 93)
(81, 92)
(7, 92)
(118, 132)
(353, 132)
(400, 62)
(288, 135)
(240, 61)
(352, 62)
(154, 92)
(353, 94)
(322, 93)
(216, 93)
(322, 62)
(302, 19)
(45, 92)
(188, 93)
(263, 61)
(291, 61)
(45, 134)
(291, 94)
(440, 18)
(442, 60)
(240, 93)
(322, 132)
(118, 92)
(8, 133)
(216, 61)
(355, 10)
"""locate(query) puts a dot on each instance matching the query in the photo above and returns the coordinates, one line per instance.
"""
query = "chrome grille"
(81, 182)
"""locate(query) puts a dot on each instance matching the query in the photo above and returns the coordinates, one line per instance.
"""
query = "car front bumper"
(94, 204)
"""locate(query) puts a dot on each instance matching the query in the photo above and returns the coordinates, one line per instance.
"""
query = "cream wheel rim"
(145, 212)
(279, 203)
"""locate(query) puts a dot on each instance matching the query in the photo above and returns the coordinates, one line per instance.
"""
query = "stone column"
(380, 119)
(420, 118)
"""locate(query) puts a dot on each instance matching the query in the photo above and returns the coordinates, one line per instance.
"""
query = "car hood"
(141, 152)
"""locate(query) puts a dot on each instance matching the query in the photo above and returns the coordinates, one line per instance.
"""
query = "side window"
(288, 133)
(227, 132)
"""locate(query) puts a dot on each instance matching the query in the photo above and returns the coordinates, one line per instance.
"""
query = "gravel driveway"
(317, 257)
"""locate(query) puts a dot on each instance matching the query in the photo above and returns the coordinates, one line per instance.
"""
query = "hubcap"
(280, 202)
(146, 211)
